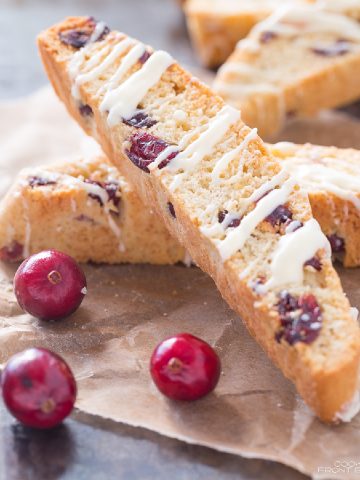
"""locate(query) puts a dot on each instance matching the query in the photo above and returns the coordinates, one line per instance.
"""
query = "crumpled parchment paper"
(255, 411)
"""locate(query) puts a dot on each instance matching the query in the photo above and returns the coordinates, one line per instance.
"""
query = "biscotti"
(86, 209)
(331, 177)
(215, 26)
(294, 63)
(221, 194)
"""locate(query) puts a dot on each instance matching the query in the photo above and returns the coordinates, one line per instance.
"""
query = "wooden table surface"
(87, 447)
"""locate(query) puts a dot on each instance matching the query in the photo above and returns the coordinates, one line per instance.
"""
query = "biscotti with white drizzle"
(331, 176)
(86, 209)
(241, 217)
(295, 63)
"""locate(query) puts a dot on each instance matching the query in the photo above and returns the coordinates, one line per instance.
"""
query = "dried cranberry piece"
(341, 47)
(78, 38)
(145, 148)
(86, 110)
(280, 216)
(111, 189)
(267, 36)
(234, 223)
(300, 319)
(337, 243)
(140, 120)
(221, 215)
(12, 252)
(171, 209)
(39, 182)
(145, 57)
(315, 263)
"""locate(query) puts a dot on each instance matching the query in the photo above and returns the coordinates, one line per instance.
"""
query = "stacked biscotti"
(69, 203)
(295, 63)
(215, 26)
(218, 190)
(86, 209)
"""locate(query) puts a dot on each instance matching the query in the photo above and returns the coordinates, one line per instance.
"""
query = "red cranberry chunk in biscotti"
(145, 149)
(300, 318)
(140, 120)
(78, 38)
(12, 252)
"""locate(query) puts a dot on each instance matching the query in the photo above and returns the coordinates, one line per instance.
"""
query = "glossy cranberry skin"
(49, 285)
(185, 367)
(38, 388)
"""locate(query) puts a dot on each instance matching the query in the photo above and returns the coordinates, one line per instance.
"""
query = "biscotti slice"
(215, 26)
(295, 63)
(84, 208)
(331, 177)
(241, 217)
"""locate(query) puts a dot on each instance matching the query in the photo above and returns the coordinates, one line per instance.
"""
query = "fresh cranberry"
(267, 36)
(337, 243)
(140, 120)
(171, 209)
(339, 48)
(145, 148)
(300, 319)
(49, 285)
(86, 110)
(38, 388)
(40, 182)
(280, 216)
(315, 263)
(78, 38)
(145, 57)
(184, 367)
(12, 252)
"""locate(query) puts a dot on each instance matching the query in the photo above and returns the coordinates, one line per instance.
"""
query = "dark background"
(87, 447)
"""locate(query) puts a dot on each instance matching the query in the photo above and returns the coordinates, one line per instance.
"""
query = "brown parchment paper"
(254, 412)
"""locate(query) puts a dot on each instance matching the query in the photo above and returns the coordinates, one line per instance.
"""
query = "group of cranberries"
(39, 388)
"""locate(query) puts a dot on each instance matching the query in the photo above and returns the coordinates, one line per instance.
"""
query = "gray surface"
(87, 447)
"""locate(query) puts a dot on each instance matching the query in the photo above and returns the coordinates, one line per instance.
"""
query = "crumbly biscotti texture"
(331, 177)
(234, 209)
(215, 26)
(86, 209)
(294, 63)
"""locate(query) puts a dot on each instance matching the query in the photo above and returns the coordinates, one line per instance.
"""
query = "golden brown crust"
(306, 372)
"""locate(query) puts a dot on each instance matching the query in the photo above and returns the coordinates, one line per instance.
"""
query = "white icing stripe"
(92, 74)
(129, 60)
(188, 159)
(293, 250)
(237, 238)
(290, 21)
(276, 180)
(123, 100)
(163, 156)
(98, 31)
(316, 177)
(225, 161)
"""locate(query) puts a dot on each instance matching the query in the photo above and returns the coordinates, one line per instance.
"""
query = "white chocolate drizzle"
(123, 100)
(293, 250)
(236, 239)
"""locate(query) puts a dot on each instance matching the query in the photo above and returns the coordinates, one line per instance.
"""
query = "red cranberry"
(267, 36)
(12, 253)
(140, 120)
(171, 209)
(145, 148)
(111, 188)
(40, 182)
(86, 110)
(145, 57)
(315, 263)
(339, 48)
(78, 38)
(50, 285)
(337, 243)
(38, 388)
(300, 319)
(280, 216)
(185, 368)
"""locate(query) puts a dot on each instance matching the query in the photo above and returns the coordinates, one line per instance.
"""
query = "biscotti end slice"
(86, 209)
(241, 217)
(331, 176)
(295, 63)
